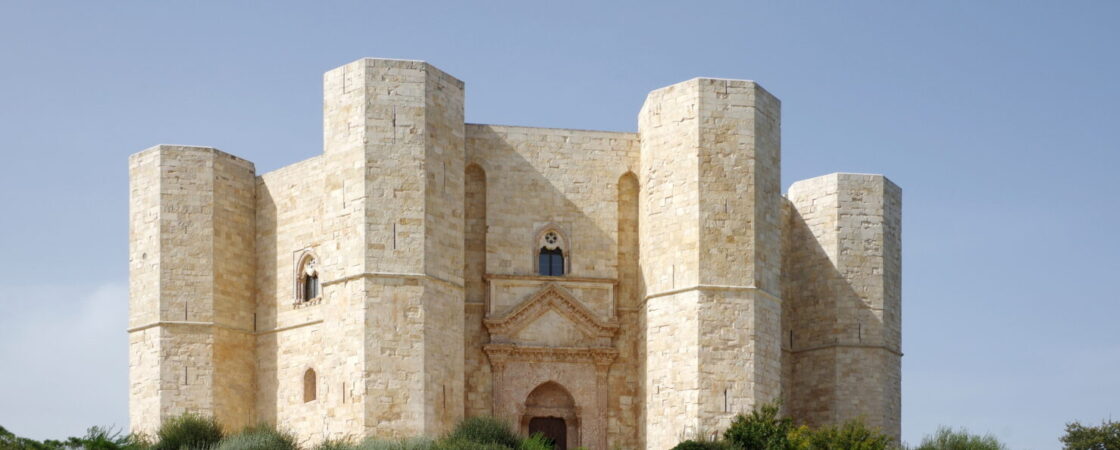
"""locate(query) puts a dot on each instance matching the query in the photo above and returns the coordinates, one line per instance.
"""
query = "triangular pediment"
(551, 310)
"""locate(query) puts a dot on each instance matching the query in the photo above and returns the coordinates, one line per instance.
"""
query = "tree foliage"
(946, 438)
(1081, 437)
(762, 429)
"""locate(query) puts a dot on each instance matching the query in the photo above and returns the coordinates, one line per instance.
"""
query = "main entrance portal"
(552, 428)
(551, 411)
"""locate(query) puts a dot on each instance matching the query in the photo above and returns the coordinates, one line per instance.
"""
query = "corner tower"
(191, 300)
(842, 279)
(401, 122)
(710, 254)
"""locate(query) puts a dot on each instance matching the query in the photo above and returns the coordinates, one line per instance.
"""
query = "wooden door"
(552, 428)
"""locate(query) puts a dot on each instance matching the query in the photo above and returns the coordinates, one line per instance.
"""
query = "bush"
(259, 437)
(404, 444)
(536, 442)
(102, 438)
(466, 444)
(853, 435)
(947, 439)
(481, 430)
(762, 429)
(702, 445)
(1080, 437)
(188, 431)
(336, 444)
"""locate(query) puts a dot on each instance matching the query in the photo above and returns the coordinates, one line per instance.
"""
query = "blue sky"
(998, 119)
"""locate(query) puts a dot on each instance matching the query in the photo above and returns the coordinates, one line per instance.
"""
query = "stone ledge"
(223, 326)
(396, 275)
(714, 287)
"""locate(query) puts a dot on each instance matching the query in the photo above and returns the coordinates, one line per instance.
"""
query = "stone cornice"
(503, 353)
(561, 279)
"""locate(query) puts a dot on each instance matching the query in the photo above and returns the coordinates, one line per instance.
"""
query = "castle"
(609, 289)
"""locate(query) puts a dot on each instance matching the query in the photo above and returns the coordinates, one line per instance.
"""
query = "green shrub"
(852, 435)
(259, 437)
(762, 429)
(373, 443)
(947, 439)
(188, 431)
(536, 442)
(103, 438)
(467, 444)
(336, 444)
(702, 445)
(481, 430)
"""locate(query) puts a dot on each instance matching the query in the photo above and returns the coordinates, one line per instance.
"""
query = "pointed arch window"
(307, 280)
(551, 257)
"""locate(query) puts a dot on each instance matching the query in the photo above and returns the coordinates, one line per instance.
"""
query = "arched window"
(550, 257)
(309, 382)
(307, 280)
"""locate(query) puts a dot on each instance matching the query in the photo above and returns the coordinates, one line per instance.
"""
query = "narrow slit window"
(309, 386)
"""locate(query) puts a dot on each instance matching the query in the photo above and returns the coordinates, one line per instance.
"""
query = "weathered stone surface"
(692, 290)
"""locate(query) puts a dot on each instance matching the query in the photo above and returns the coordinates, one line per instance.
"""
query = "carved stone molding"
(555, 298)
(500, 354)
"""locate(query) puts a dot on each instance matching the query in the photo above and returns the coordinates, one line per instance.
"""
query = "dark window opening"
(310, 287)
(310, 391)
(551, 262)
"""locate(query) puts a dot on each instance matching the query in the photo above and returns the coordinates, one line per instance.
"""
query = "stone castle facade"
(611, 289)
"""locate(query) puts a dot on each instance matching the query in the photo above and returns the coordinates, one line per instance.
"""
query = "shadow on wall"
(267, 347)
(838, 361)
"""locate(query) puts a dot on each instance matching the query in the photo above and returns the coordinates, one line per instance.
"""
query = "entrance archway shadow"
(551, 411)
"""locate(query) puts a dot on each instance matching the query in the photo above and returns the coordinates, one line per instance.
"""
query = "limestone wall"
(539, 177)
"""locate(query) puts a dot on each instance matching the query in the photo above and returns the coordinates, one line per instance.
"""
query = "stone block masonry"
(613, 289)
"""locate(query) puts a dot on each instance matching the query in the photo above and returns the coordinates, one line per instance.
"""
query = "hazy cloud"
(63, 359)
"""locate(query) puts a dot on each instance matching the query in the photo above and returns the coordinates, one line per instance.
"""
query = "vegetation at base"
(761, 429)
(259, 437)
(188, 431)
(485, 431)
(693, 444)
(1081, 437)
(765, 429)
(946, 438)
(96, 438)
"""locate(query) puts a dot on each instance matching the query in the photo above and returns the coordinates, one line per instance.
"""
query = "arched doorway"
(551, 411)
(554, 429)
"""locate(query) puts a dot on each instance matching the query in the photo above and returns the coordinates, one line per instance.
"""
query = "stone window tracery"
(552, 253)
(308, 288)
